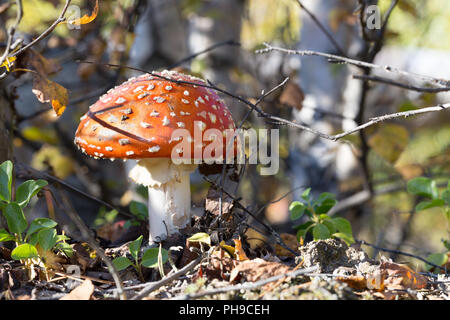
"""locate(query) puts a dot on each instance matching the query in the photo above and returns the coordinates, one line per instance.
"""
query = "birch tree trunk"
(314, 160)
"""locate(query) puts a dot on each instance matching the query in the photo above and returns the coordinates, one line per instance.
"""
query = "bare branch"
(250, 285)
(46, 32)
(358, 63)
(399, 84)
(150, 287)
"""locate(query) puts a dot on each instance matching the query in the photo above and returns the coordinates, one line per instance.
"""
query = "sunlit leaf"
(86, 18)
(24, 251)
(48, 91)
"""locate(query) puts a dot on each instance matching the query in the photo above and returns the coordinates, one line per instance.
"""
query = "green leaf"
(305, 194)
(139, 209)
(65, 248)
(303, 229)
(5, 236)
(201, 237)
(438, 259)
(24, 251)
(324, 203)
(342, 225)
(121, 263)
(330, 225)
(15, 218)
(6, 169)
(430, 204)
(422, 186)
(348, 238)
(150, 257)
(446, 195)
(34, 239)
(297, 210)
(27, 190)
(39, 224)
(320, 232)
(135, 246)
(47, 238)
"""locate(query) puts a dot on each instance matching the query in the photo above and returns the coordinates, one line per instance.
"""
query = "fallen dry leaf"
(48, 91)
(291, 241)
(292, 95)
(212, 203)
(401, 277)
(239, 252)
(259, 269)
(356, 282)
(83, 292)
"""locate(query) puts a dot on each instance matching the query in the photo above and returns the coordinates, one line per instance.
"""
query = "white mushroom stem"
(169, 195)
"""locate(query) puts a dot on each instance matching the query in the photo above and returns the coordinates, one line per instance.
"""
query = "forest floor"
(322, 270)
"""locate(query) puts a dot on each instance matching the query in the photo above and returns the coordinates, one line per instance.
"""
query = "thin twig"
(46, 32)
(401, 253)
(267, 227)
(86, 235)
(156, 285)
(249, 285)
(358, 63)
(322, 27)
(211, 48)
(399, 84)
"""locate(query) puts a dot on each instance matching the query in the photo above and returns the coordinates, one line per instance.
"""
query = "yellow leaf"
(8, 62)
(48, 91)
(85, 19)
(229, 249)
(239, 252)
(389, 141)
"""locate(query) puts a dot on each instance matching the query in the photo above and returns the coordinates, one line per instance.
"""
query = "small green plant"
(140, 211)
(152, 258)
(319, 223)
(428, 190)
(39, 237)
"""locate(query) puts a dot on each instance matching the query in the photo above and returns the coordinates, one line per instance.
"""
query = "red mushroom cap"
(136, 119)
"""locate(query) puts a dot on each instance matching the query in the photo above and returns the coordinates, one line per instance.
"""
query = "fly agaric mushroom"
(136, 120)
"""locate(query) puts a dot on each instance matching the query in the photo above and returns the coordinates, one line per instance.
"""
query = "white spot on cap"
(142, 95)
(173, 114)
(151, 87)
(180, 124)
(201, 125)
(202, 114)
(108, 148)
(214, 107)
(127, 111)
(154, 113)
(159, 99)
(106, 100)
(166, 121)
(200, 99)
(196, 103)
(145, 125)
(129, 153)
(112, 119)
(168, 88)
(185, 101)
(154, 149)
(212, 116)
(186, 93)
(137, 89)
(123, 142)
(207, 98)
(120, 100)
